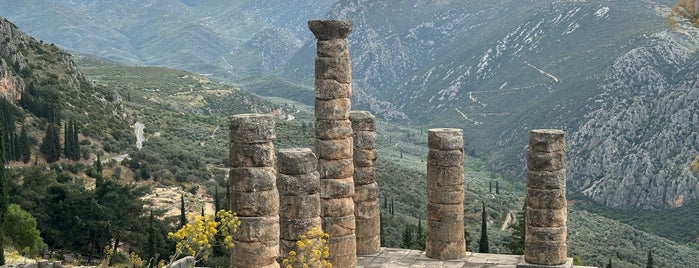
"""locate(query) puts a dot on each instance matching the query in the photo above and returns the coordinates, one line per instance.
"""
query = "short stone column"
(333, 138)
(254, 196)
(298, 182)
(366, 189)
(545, 240)
(444, 232)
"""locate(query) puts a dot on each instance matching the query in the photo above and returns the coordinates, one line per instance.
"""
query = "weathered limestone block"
(362, 121)
(300, 206)
(252, 128)
(255, 254)
(367, 210)
(546, 252)
(445, 158)
(255, 204)
(364, 175)
(334, 109)
(345, 250)
(252, 179)
(538, 234)
(447, 178)
(332, 89)
(367, 245)
(334, 149)
(364, 140)
(336, 188)
(334, 48)
(335, 68)
(546, 179)
(546, 217)
(296, 161)
(369, 222)
(336, 207)
(444, 212)
(339, 226)
(251, 154)
(330, 29)
(335, 169)
(366, 192)
(445, 139)
(547, 140)
(301, 184)
(258, 229)
(446, 197)
(294, 228)
(546, 199)
(364, 158)
(539, 161)
(445, 250)
(333, 129)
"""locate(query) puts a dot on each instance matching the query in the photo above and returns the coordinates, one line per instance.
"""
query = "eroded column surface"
(298, 182)
(545, 240)
(444, 232)
(366, 189)
(333, 137)
(254, 196)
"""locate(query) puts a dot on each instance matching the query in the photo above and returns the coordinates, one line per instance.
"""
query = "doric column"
(298, 182)
(333, 137)
(366, 190)
(545, 236)
(254, 196)
(444, 232)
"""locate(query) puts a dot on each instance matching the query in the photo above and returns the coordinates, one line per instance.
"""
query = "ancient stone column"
(298, 182)
(366, 190)
(333, 138)
(444, 232)
(254, 196)
(545, 240)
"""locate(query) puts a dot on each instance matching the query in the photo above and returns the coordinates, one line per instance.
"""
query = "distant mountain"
(611, 73)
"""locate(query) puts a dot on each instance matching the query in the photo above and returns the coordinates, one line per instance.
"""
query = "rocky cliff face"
(10, 60)
(636, 149)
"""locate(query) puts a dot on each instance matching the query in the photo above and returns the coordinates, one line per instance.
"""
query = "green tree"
(419, 236)
(649, 262)
(577, 260)
(20, 228)
(51, 145)
(3, 198)
(609, 264)
(408, 236)
(24, 149)
(183, 215)
(483, 242)
(516, 245)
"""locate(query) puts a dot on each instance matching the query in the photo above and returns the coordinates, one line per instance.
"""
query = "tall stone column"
(333, 138)
(254, 196)
(545, 239)
(298, 182)
(366, 189)
(444, 232)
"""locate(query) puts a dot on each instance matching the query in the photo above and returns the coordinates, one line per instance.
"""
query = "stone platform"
(399, 258)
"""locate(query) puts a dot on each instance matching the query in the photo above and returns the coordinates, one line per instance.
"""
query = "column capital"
(330, 28)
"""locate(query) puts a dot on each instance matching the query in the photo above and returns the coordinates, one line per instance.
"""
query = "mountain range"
(613, 74)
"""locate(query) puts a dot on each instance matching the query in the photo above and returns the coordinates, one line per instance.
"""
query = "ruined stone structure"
(298, 182)
(366, 190)
(444, 230)
(333, 137)
(254, 196)
(545, 241)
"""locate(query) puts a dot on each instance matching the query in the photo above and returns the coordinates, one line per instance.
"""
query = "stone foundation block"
(252, 179)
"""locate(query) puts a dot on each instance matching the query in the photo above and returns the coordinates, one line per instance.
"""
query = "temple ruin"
(335, 186)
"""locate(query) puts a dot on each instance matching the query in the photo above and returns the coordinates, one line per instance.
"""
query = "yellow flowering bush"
(312, 251)
(197, 237)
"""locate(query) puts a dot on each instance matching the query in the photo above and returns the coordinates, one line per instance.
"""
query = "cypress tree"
(76, 142)
(67, 141)
(183, 216)
(25, 151)
(51, 145)
(3, 199)
(497, 187)
(490, 187)
(649, 263)
(392, 207)
(516, 245)
(609, 264)
(408, 236)
(217, 202)
(483, 242)
(419, 236)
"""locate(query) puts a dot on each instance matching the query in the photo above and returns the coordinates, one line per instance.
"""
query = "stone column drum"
(366, 189)
(444, 232)
(298, 182)
(545, 241)
(333, 138)
(254, 196)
